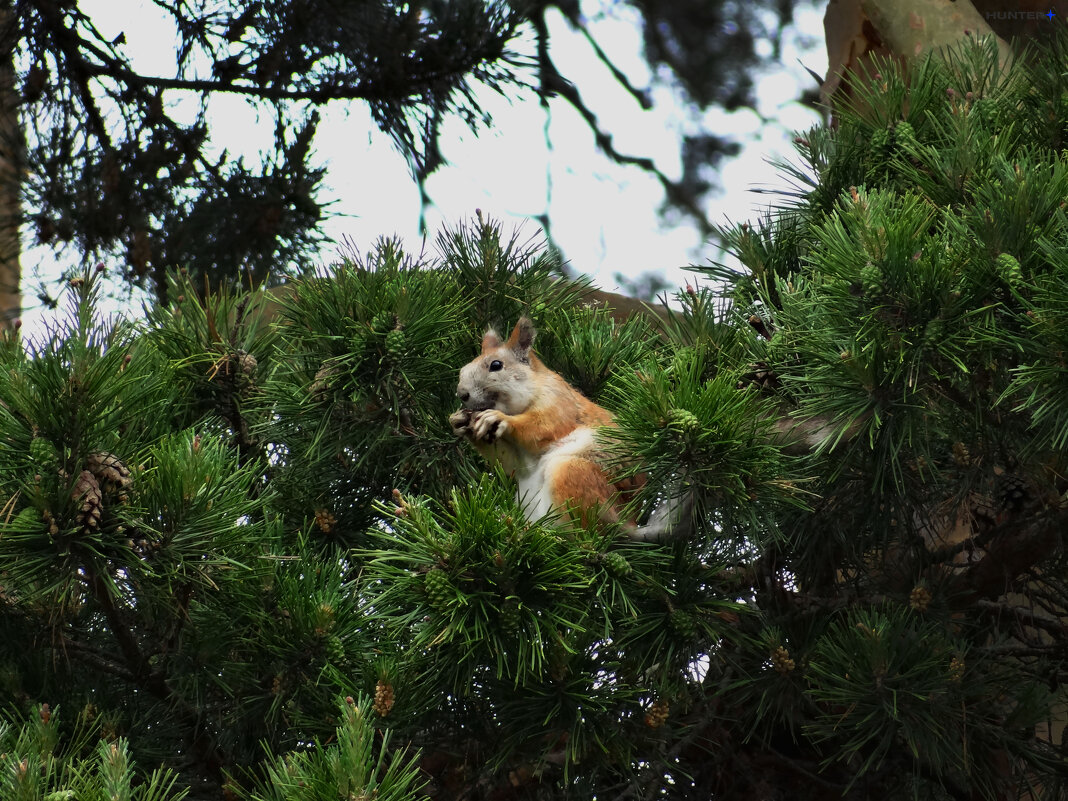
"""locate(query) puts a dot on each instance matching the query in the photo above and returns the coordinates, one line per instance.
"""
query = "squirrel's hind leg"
(580, 485)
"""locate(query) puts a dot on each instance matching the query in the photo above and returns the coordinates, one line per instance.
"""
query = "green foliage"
(589, 347)
(40, 760)
(554, 628)
(215, 527)
(697, 434)
(910, 296)
(358, 764)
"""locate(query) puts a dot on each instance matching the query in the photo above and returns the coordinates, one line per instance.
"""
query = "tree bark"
(12, 146)
(860, 31)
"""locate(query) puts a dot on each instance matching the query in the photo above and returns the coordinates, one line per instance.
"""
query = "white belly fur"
(533, 476)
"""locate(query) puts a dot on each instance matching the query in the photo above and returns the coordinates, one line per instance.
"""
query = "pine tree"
(222, 523)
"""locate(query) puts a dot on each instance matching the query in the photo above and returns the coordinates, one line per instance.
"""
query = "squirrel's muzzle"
(479, 404)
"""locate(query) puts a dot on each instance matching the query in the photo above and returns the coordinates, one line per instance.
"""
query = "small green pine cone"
(683, 420)
(682, 359)
(395, 343)
(871, 279)
(557, 661)
(335, 649)
(988, 112)
(1008, 269)
(510, 617)
(682, 624)
(880, 139)
(27, 520)
(382, 322)
(616, 564)
(438, 587)
(934, 332)
(905, 136)
(43, 452)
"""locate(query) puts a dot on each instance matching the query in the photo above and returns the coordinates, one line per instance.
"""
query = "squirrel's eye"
(496, 365)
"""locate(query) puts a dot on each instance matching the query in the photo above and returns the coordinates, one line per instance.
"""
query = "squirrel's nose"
(463, 395)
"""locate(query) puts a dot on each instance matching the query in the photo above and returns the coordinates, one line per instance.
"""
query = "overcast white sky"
(604, 216)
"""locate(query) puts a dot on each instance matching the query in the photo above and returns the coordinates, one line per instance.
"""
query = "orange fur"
(581, 484)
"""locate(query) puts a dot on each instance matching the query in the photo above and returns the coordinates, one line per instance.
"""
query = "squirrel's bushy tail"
(672, 519)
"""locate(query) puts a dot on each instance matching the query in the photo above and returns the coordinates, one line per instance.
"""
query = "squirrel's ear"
(522, 337)
(490, 340)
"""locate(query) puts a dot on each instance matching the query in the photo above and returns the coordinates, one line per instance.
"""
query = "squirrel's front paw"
(489, 425)
(460, 421)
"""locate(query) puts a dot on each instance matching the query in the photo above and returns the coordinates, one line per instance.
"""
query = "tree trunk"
(860, 30)
(12, 146)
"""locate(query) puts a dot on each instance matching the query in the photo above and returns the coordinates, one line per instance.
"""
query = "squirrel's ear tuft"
(490, 340)
(522, 337)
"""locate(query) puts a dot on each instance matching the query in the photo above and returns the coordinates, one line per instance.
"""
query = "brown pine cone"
(87, 492)
(658, 714)
(110, 472)
(383, 702)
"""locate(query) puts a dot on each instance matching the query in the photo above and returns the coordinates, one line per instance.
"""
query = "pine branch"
(553, 83)
(96, 659)
(79, 70)
(136, 662)
(1025, 617)
(202, 742)
(1011, 554)
(331, 88)
(640, 95)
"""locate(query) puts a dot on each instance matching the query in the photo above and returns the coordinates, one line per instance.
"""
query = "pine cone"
(781, 661)
(934, 332)
(961, 455)
(658, 713)
(43, 452)
(323, 382)
(1008, 269)
(920, 598)
(383, 702)
(324, 520)
(460, 422)
(956, 669)
(616, 564)
(438, 588)
(86, 491)
(683, 420)
(235, 371)
(871, 279)
(682, 623)
(1013, 493)
(383, 321)
(395, 343)
(112, 475)
(558, 660)
(905, 136)
(244, 366)
(880, 139)
(759, 375)
(509, 615)
(335, 649)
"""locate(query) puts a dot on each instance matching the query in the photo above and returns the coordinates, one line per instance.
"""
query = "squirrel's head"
(503, 375)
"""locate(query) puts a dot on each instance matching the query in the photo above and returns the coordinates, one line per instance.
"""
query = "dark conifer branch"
(1012, 554)
(94, 658)
(136, 662)
(553, 84)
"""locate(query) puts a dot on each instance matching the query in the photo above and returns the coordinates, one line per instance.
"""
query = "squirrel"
(546, 434)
